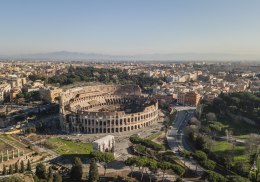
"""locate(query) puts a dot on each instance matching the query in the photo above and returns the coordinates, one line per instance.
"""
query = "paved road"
(174, 135)
(176, 139)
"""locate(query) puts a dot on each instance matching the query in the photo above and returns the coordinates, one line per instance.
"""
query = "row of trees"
(11, 179)
(210, 175)
(16, 168)
(203, 160)
(102, 157)
(152, 158)
(216, 177)
(146, 143)
(44, 175)
(41, 174)
(145, 164)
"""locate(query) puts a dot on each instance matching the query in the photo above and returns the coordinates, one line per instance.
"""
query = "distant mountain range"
(66, 55)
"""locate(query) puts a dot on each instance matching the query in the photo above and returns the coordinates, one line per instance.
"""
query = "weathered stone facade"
(106, 109)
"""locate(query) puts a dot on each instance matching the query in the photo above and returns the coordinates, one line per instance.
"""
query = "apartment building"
(4, 90)
(188, 98)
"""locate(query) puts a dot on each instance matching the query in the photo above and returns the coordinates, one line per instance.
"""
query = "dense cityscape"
(130, 91)
(124, 121)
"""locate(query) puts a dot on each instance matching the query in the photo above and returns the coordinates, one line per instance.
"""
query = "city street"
(174, 135)
(176, 140)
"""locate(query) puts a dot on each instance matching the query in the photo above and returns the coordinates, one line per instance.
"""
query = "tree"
(131, 163)
(11, 179)
(211, 117)
(200, 142)
(41, 171)
(4, 170)
(50, 174)
(141, 162)
(93, 171)
(16, 167)
(240, 168)
(200, 155)
(36, 179)
(76, 170)
(237, 179)
(179, 180)
(108, 157)
(164, 166)
(22, 167)
(194, 121)
(208, 164)
(167, 123)
(216, 127)
(11, 170)
(29, 168)
(57, 177)
(228, 159)
(177, 169)
(253, 143)
(214, 177)
(104, 158)
(153, 167)
(147, 143)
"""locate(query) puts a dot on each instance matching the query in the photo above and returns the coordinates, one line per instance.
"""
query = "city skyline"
(201, 30)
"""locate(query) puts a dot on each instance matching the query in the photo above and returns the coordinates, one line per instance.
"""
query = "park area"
(7, 142)
(12, 146)
(66, 147)
(236, 154)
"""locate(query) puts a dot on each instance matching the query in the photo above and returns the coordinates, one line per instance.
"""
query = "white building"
(150, 74)
(105, 144)
(172, 78)
(4, 90)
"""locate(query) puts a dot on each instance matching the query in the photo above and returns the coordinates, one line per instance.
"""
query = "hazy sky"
(131, 26)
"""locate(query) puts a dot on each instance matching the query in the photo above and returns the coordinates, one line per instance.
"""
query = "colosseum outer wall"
(78, 111)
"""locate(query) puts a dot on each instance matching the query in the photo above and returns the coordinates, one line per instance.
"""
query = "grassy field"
(240, 154)
(6, 137)
(219, 147)
(62, 146)
(12, 144)
(244, 136)
(154, 135)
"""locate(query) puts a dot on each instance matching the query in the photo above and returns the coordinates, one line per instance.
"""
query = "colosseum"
(106, 109)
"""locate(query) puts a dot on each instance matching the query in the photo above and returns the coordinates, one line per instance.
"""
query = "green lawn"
(62, 146)
(154, 135)
(220, 146)
(239, 152)
(243, 136)
(6, 137)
